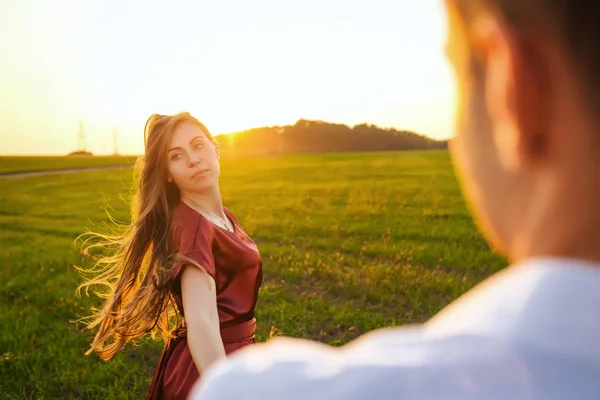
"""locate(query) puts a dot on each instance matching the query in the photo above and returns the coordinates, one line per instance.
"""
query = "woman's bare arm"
(199, 295)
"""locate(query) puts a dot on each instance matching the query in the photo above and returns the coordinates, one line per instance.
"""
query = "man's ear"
(515, 93)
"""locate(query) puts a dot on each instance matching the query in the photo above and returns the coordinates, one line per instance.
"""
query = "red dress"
(234, 262)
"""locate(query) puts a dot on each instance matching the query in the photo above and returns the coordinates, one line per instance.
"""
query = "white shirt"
(531, 331)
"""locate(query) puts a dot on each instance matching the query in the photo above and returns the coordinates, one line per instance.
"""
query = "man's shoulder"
(388, 363)
(528, 333)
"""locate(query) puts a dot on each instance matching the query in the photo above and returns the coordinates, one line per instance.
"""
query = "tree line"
(322, 137)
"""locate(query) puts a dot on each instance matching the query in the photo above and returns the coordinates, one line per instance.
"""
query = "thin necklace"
(222, 222)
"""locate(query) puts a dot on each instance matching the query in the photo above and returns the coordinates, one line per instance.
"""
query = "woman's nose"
(194, 161)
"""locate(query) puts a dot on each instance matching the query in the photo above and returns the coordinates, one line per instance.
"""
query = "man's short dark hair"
(574, 23)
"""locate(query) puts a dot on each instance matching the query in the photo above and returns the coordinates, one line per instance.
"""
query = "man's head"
(528, 143)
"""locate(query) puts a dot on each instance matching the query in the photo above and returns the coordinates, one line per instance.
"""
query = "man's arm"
(283, 367)
(293, 369)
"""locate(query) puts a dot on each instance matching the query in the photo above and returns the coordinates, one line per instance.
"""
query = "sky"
(234, 64)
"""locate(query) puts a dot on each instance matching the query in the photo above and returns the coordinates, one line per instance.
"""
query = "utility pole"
(115, 150)
(81, 138)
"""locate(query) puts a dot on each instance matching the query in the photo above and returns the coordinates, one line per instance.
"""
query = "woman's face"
(192, 159)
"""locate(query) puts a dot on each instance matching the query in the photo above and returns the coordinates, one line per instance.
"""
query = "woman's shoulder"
(186, 222)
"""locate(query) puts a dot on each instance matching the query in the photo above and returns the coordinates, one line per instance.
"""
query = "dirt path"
(24, 174)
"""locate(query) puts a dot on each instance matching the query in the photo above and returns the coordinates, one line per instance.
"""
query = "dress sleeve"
(194, 239)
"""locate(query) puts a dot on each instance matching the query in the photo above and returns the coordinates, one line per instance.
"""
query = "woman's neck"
(209, 202)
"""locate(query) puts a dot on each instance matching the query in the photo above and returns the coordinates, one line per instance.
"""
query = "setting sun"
(234, 65)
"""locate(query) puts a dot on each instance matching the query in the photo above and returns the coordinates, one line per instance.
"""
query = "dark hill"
(322, 137)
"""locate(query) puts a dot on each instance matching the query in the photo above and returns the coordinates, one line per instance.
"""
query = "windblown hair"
(135, 268)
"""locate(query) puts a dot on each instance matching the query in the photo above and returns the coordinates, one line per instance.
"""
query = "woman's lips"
(199, 173)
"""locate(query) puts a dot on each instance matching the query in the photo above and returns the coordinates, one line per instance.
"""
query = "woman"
(184, 253)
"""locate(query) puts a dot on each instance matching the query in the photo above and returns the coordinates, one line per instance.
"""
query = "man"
(527, 150)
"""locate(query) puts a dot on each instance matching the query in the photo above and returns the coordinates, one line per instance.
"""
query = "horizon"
(269, 64)
(222, 135)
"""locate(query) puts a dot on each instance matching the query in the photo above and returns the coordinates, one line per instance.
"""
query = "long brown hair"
(135, 268)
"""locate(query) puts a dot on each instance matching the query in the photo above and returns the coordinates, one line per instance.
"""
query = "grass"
(350, 243)
(22, 164)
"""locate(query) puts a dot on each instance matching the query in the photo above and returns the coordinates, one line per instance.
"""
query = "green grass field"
(18, 164)
(350, 243)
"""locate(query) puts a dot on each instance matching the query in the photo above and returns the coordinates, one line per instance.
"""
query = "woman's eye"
(175, 156)
(198, 146)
